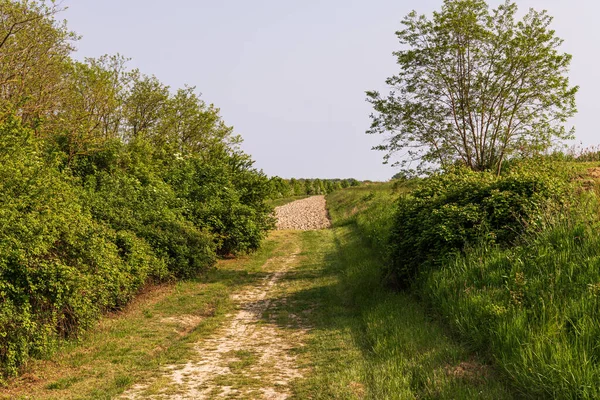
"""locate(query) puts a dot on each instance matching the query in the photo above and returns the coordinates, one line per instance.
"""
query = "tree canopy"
(109, 181)
(475, 86)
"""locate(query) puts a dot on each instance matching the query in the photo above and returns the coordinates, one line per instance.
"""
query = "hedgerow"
(280, 187)
(226, 198)
(109, 181)
(533, 308)
(461, 207)
(59, 267)
(511, 264)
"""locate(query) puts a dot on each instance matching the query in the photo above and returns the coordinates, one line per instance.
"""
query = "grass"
(351, 338)
(535, 307)
(159, 328)
(532, 306)
(531, 309)
(365, 341)
(242, 360)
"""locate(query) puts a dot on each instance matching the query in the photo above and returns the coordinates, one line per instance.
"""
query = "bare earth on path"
(252, 356)
(305, 214)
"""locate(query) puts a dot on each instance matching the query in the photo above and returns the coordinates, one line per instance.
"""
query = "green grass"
(366, 341)
(155, 330)
(243, 360)
(352, 338)
(532, 309)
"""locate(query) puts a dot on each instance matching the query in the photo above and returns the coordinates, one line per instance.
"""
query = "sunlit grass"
(532, 310)
(366, 341)
(159, 328)
(534, 307)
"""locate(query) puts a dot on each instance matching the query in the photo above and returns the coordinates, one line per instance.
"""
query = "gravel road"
(304, 215)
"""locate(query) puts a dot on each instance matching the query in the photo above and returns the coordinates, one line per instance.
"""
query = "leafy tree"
(297, 187)
(329, 186)
(145, 105)
(308, 187)
(194, 127)
(475, 86)
(89, 116)
(108, 181)
(34, 49)
(280, 187)
(401, 175)
(318, 186)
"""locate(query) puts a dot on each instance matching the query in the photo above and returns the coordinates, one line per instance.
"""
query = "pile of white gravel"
(304, 215)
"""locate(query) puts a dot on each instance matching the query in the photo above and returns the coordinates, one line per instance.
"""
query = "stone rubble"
(304, 215)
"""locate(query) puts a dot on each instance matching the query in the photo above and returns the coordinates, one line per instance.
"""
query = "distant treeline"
(109, 180)
(305, 187)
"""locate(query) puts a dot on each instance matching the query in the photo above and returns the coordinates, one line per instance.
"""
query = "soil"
(305, 214)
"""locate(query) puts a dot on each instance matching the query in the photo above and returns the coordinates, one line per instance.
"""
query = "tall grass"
(534, 308)
(407, 354)
(530, 306)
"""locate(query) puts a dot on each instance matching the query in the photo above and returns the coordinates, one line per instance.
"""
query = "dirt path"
(252, 356)
(305, 214)
(248, 358)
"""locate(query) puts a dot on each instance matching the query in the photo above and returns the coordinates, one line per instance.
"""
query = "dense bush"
(133, 198)
(59, 268)
(531, 305)
(449, 211)
(109, 180)
(227, 198)
(511, 263)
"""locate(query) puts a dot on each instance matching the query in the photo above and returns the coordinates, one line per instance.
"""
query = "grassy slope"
(368, 342)
(534, 308)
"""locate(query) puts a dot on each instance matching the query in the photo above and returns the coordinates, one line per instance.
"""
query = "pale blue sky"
(290, 76)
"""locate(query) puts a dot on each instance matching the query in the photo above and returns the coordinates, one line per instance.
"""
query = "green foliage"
(59, 268)
(33, 50)
(404, 353)
(133, 198)
(109, 180)
(534, 308)
(449, 211)
(475, 86)
(516, 270)
(225, 197)
(531, 308)
(147, 209)
(280, 187)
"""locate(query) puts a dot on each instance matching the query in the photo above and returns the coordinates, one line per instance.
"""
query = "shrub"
(135, 199)
(448, 211)
(226, 198)
(119, 182)
(58, 267)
